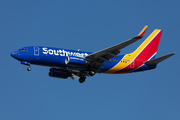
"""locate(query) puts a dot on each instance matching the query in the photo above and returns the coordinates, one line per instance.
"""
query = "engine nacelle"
(75, 61)
(59, 73)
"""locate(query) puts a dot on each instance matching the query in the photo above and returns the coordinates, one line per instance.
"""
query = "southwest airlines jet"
(66, 63)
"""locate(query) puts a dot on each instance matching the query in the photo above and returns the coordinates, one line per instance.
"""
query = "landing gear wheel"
(82, 79)
(91, 73)
(29, 69)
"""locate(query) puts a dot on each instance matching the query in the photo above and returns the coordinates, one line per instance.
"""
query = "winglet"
(142, 32)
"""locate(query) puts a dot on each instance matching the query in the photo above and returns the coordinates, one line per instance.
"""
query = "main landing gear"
(91, 73)
(82, 79)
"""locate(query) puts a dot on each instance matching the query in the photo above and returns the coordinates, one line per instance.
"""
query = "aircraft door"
(132, 64)
(36, 51)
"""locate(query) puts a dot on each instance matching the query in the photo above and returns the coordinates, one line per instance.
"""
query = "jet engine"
(75, 61)
(59, 73)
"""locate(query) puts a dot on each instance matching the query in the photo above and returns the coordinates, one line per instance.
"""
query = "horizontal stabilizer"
(158, 60)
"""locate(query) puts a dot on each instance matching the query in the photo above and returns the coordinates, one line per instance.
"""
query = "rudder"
(148, 49)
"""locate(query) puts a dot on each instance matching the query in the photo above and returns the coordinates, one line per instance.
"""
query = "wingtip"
(142, 31)
(172, 54)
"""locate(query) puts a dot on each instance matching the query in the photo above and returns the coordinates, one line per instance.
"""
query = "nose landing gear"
(26, 63)
(29, 68)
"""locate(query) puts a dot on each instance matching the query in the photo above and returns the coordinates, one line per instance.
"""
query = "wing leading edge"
(96, 59)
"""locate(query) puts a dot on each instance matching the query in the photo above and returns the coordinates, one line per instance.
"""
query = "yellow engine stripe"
(121, 64)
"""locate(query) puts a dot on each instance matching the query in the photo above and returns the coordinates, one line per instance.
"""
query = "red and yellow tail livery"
(135, 61)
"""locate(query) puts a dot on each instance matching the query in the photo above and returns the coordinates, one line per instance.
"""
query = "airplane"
(79, 65)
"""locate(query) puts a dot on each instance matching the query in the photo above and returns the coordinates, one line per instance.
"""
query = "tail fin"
(148, 49)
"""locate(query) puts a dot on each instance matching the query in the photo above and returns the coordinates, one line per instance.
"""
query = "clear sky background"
(88, 25)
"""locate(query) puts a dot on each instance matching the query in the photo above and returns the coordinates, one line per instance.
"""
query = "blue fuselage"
(55, 57)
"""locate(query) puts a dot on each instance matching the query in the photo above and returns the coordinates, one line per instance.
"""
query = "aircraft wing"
(99, 57)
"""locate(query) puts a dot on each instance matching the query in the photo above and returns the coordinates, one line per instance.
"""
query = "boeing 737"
(79, 65)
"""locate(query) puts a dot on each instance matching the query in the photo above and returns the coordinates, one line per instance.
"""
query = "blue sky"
(88, 26)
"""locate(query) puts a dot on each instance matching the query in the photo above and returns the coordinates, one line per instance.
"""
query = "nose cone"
(14, 55)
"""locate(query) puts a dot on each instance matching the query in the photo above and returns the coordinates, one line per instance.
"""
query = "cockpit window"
(23, 49)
